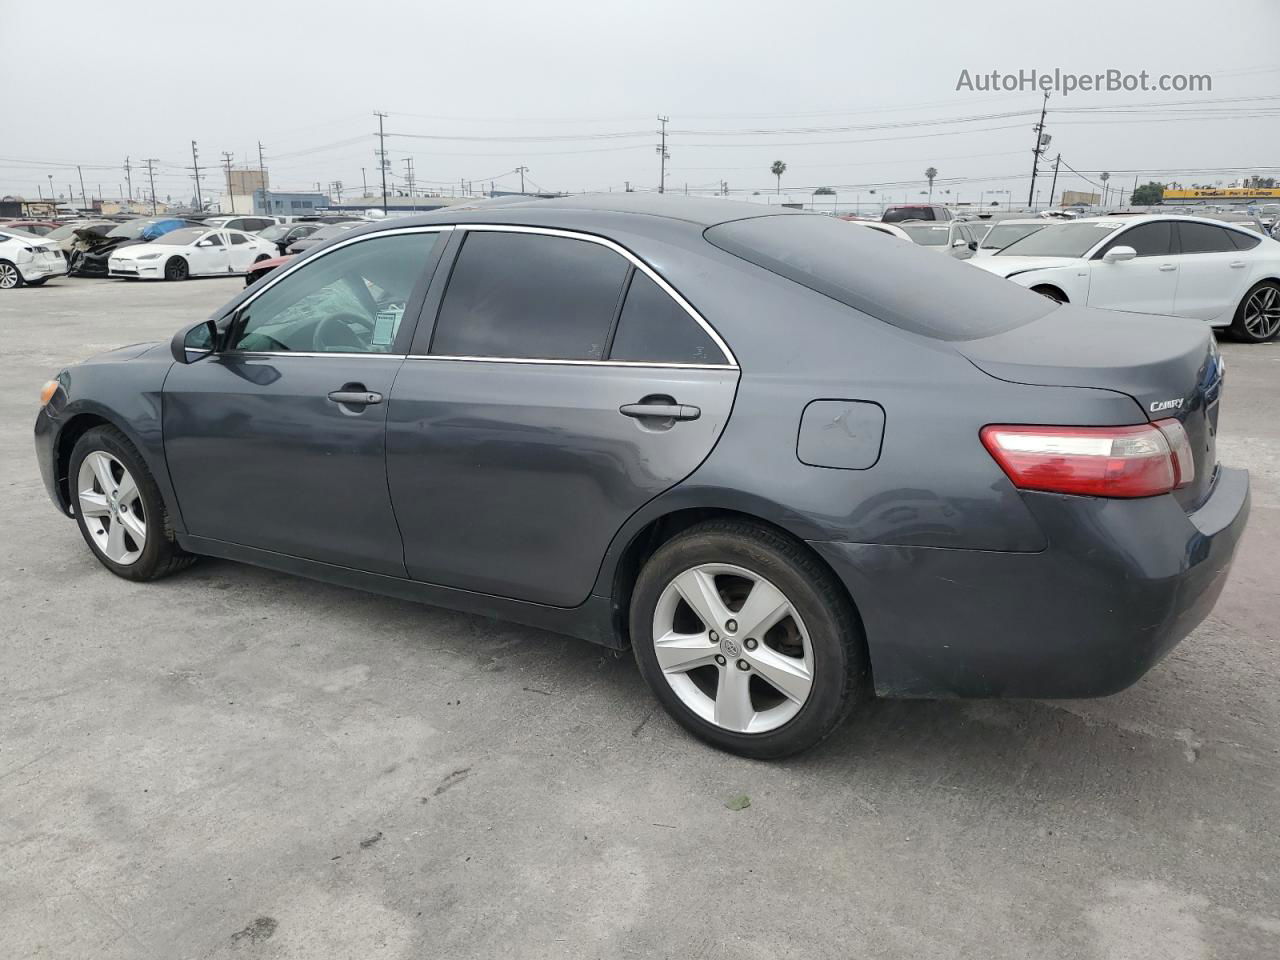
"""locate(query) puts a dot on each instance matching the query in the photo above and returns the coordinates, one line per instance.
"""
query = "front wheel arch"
(1051, 291)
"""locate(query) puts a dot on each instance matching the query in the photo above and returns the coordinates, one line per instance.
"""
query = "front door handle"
(660, 411)
(1166, 267)
(355, 397)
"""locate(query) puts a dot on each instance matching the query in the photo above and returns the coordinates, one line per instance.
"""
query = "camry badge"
(1159, 405)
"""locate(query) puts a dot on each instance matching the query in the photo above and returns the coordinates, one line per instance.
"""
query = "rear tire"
(1257, 319)
(119, 509)
(10, 278)
(762, 687)
(175, 268)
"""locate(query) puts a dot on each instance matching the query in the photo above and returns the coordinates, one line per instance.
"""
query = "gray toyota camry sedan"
(787, 463)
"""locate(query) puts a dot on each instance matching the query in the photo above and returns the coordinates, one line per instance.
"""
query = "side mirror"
(204, 243)
(194, 342)
(1119, 254)
(959, 243)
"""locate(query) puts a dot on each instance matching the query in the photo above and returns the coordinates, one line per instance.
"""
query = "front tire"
(1257, 319)
(747, 640)
(10, 278)
(176, 268)
(119, 509)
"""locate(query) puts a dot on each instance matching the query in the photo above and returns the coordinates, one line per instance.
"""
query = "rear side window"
(238, 238)
(1243, 241)
(882, 280)
(654, 328)
(1203, 238)
(1148, 239)
(530, 296)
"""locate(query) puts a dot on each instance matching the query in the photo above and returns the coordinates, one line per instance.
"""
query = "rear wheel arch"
(660, 530)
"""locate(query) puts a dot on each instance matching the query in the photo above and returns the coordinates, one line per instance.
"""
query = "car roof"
(1039, 221)
(1157, 217)
(699, 211)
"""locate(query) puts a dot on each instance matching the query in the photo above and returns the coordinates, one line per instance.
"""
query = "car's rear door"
(277, 442)
(561, 387)
(1145, 284)
(1212, 273)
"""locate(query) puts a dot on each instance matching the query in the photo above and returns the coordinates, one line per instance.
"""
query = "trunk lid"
(1169, 365)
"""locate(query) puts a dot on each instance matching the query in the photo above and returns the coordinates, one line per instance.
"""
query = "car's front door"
(562, 388)
(1145, 284)
(277, 440)
(208, 255)
(1212, 272)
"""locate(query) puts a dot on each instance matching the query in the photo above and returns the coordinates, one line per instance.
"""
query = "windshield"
(1062, 239)
(180, 238)
(130, 229)
(1000, 236)
(879, 279)
(926, 234)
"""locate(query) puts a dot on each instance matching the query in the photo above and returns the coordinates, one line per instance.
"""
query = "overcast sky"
(93, 82)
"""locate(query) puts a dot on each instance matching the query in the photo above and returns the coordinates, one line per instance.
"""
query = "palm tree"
(930, 174)
(778, 169)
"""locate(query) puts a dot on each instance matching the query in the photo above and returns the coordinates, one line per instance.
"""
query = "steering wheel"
(333, 331)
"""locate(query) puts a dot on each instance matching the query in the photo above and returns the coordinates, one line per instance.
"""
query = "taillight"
(1137, 461)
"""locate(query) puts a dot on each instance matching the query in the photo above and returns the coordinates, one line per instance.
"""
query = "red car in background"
(260, 269)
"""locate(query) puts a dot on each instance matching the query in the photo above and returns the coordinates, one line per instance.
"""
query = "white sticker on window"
(385, 325)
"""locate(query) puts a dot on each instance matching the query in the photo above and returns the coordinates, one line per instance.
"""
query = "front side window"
(653, 328)
(1148, 239)
(1203, 238)
(530, 296)
(349, 301)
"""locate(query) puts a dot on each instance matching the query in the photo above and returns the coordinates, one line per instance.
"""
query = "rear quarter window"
(896, 283)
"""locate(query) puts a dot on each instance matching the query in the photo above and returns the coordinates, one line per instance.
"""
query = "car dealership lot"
(238, 762)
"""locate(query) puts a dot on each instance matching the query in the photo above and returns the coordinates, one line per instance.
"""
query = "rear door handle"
(1236, 264)
(1166, 267)
(355, 397)
(660, 411)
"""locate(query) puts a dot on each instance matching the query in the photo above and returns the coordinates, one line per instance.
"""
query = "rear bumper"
(1122, 582)
(43, 268)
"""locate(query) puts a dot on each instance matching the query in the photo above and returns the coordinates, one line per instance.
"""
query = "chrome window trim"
(573, 363)
(730, 359)
(273, 354)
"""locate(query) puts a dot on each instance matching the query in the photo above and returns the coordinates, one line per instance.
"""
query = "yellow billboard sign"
(1224, 193)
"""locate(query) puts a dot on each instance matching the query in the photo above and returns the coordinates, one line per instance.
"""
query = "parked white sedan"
(28, 259)
(190, 252)
(1184, 266)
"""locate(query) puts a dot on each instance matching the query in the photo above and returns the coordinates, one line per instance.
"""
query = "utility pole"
(262, 175)
(1135, 190)
(408, 175)
(663, 156)
(128, 177)
(364, 183)
(1042, 142)
(84, 201)
(382, 157)
(151, 176)
(522, 171)
(337, 188)
(1054, 186)
(226, 162)
(195, 168)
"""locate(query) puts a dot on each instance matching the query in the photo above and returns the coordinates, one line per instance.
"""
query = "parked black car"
(284, 234)
(326, 232)
(93, 261)
(785, 461)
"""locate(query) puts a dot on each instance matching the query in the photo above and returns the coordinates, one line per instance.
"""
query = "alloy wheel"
(733, 648)
(1262, 313)
(111, 505)
(8, 276)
